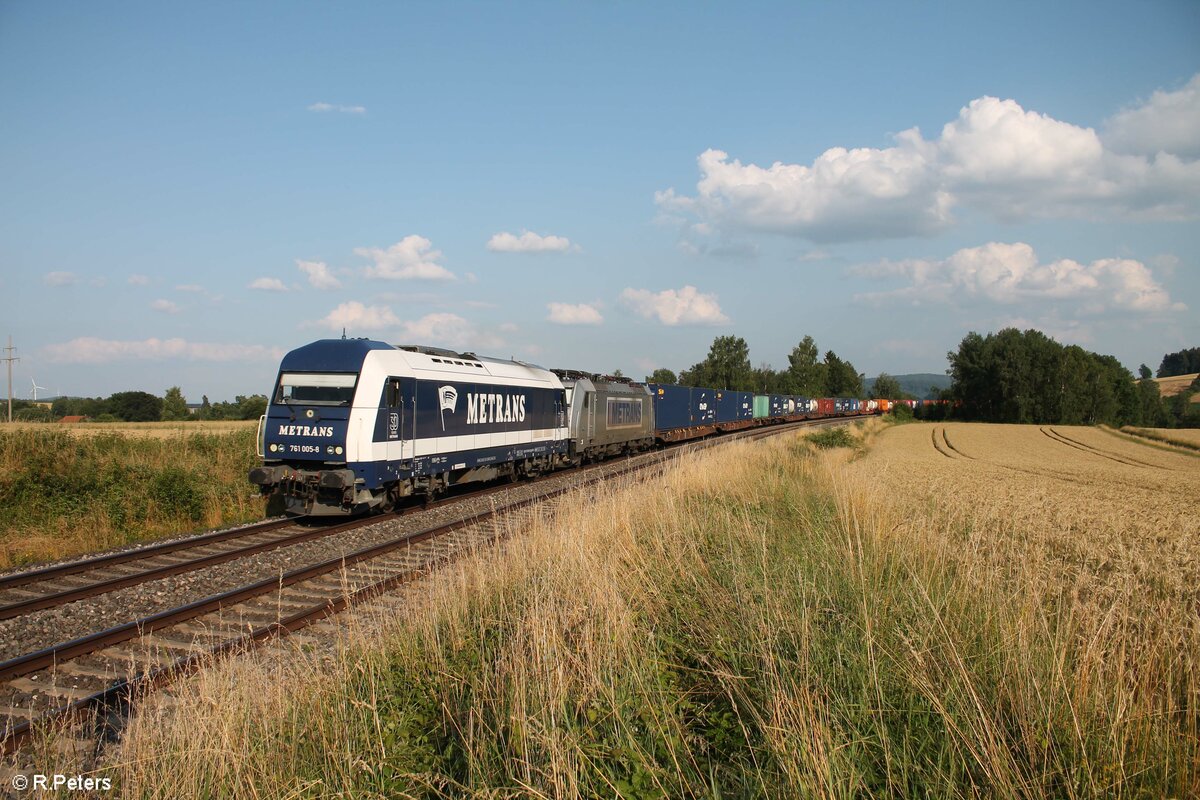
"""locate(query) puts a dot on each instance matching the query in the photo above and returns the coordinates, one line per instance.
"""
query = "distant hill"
(916, 383)
(1176, 384)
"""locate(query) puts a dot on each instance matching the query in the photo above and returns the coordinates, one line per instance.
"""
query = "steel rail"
(112, 559)
(156, 573)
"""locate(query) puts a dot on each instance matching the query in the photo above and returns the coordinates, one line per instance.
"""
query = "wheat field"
(136, 430)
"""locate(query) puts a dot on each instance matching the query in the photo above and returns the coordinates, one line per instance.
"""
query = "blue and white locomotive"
(354, 425)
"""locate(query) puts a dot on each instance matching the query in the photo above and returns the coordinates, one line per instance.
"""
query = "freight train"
(354, 425)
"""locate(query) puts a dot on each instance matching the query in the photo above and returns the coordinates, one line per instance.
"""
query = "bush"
(832, 437)
(176, 492)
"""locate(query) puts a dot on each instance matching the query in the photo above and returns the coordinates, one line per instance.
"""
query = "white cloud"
(1070, 331)
(440, 329)
(1011, 273)
(444, 329)
(686, 306)
(324, 108)
(1168, 122)
(528, 242)
(90, 350)
(410, 258)
(995, 157)
(354, 316)
(139, 280)
(567, 314)
(267, 285)
(165, 306)
(318, 274)
(61, 278)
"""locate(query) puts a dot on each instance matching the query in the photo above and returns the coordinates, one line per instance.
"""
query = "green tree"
(886, 387)
(841, 378)
(805, 373)
(135, 406)
(1154, 414)
(1027, 377)
(662, 375)
(726, 367)
(251, 406)
(1185, 362)
(174, 406)
(765, 380)
(205, 411)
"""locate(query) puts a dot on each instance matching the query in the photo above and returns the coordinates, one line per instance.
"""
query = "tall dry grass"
(763, 621)
(62, 495)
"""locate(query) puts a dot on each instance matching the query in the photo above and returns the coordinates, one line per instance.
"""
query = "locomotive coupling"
(337, 478)
(266, 476)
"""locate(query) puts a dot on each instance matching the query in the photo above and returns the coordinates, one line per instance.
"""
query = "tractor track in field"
(1069, 442)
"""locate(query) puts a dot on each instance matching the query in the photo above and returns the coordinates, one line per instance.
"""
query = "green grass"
(61, 495)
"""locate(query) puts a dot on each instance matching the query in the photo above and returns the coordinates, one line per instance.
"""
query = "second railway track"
(110, 665)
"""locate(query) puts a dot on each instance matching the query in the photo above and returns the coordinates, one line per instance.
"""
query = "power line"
(10, 358)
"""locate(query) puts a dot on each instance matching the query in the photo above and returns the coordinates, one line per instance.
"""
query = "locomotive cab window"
(317, 389)
(393, 392)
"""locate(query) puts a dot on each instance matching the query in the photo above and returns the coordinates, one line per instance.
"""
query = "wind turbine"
(35, 389)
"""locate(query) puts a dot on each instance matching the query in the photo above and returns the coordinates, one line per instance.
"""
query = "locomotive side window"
(318, 389)
(393, 392)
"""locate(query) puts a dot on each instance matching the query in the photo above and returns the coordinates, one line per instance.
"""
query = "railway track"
(109, 668)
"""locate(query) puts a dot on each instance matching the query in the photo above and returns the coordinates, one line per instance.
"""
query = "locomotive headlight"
(338, 450)
(274, 447)
(329, 450)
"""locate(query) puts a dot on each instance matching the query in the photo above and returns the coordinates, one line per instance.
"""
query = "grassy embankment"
(765, 620)
(64, 494)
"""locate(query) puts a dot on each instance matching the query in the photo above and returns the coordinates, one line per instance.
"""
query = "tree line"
(137, 406)
(808, 374)
(1028, 377)
(1185, 362)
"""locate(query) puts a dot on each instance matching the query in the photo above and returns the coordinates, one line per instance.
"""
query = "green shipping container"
(762, 406)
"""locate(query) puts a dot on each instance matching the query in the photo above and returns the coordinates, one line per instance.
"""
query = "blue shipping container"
(727, 406)
(672, 406)
(734, 406)
(704, 406)
(745, 405)
(778, 406)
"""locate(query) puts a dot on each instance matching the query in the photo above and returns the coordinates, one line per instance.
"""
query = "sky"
(187, 191)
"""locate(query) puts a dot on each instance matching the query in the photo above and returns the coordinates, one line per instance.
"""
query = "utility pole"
(10, 358)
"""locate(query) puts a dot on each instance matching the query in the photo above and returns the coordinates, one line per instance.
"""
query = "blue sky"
(189, 191)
